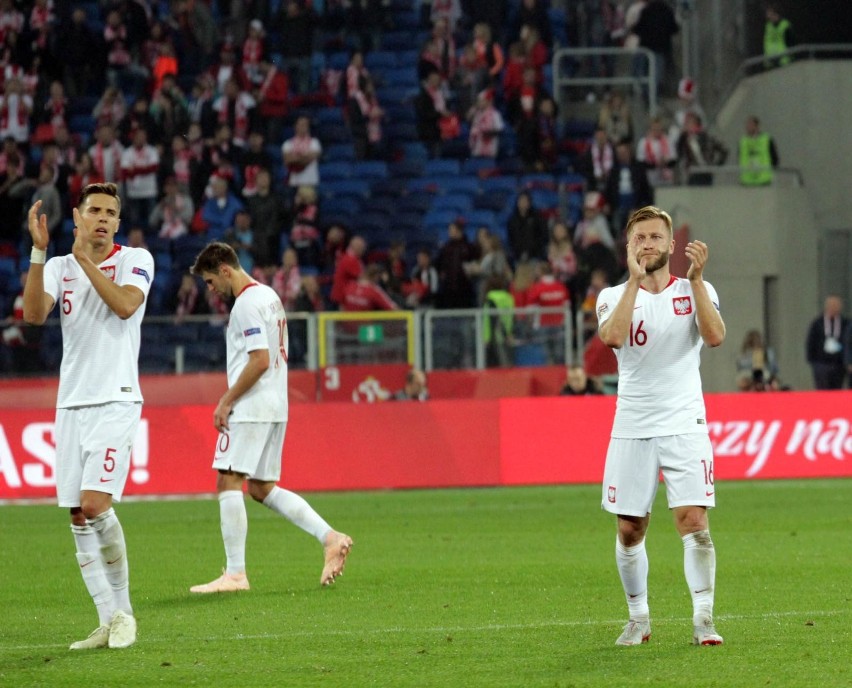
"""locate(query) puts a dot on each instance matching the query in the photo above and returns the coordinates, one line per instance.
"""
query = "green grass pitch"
(484, 587)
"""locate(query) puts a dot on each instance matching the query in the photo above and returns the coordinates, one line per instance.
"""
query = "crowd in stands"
(358, 155)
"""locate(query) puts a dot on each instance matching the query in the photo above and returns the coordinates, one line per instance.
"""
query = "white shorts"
(632, 473)
(93, 446)
(252, 449)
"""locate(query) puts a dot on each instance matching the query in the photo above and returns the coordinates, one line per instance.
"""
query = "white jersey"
(659, 385)
(100, 351)
(258, 322)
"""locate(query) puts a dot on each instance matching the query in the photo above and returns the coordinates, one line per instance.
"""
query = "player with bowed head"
(101, 289)
(656, 323)
(251, 418)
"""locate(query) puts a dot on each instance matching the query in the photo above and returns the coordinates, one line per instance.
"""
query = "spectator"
(287, 279)
(241, 239)
(365, 116)
(615, 117)
(594, 222)
(486, 123)
(446, 11)
(173, 213)
(546, 136)
(75, 51)
(136, 238)
(123, 71)
(253, 159)
(423, 282)
(356, 74)
(456, 290)
(272, 98)
(532, 13)
(334, 246)
(492, 262)
(430, 108)
(778, 37)
(825, 345)
(107, 154)
(139, 165)
(169, 112)
(687, 101)
(296, 40)
(237, 107)
(23, 342)
(697, 148)
(219, 211)
(498, 323)
(549, 328)
(349, 267)
(186, 299)
(758, 155)
(83, 175)
(301, 153)
(415, 387)
(489, 56)
(657, 154)
(535, 49)
(225, 68)
(253, 51)
(366, 293)
(627, 187)
(439, 52)
(52, 114)
(597, 161)
(138, 117)
(180, 162)
(757, 368)
(562, 258)
(111, 107)
(268, 217)
(16, 109)
(513, 74)
(656, 28)
(394, 271)
(522, 108)
(527, 230)
(577, 383)
(599, 280)
(51, 203)
(304, 235)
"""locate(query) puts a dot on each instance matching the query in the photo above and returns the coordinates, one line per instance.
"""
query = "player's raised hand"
(38, 227)
(697, 253)
(635, 264)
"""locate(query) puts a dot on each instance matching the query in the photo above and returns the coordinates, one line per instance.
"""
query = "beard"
(655, 264)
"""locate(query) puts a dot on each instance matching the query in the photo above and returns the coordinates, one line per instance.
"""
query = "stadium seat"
(401, 131)
(406, 169)
(458, 203)
(339, 205)
(330, 171)
(440, 217)
(338, 60)
(572, 181)
(432, 185)
(539, 180)
(494, 200)
(481, 218)
(370, 169)
(476, 166)
(330, 132)
(392, 94)
(329, 115)
(526, 355)
(359, 188)
(415, 202)
(381, 59)
(336, 152)
(399, 40)
(392, 187)
(464, 185)
(440, 167)
(383, 205)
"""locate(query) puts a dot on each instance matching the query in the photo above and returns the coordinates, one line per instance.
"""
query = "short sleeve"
(605, 305)
(138, 270)
(250, 326)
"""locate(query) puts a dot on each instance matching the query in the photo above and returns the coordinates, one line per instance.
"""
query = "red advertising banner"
(512, 441)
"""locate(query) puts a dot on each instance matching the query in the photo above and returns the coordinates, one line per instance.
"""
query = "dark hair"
(212, 256)
(106, 188)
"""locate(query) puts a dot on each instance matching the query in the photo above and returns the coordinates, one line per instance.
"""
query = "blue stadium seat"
(475, 166)
(399, 40)
(432, 185)
(494, 200)
(338, 60)
(347, 187)
(406, 169)
(415, 150)
(439, 166)
(539, 180)
(441, 217)
(504, 184)
(329, 171)
(370, 169)
(415, 202)
(393, 187)
(326, 115)
(481, 218)
(544, 199)
(381, 59)
(371, 224)
(393, 94)
(401, 131)
(382, 205)
(558, 27)
(526, 355)
(573, 181)
(330, 132)
(339, 205)
(464, 185)
(458, 203)
(336, 152)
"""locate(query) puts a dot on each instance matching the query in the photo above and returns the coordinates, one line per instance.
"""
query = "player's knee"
(692, 520)
(77, 517)
(259, 491)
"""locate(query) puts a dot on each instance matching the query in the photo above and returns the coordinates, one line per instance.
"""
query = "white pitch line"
(444, 629)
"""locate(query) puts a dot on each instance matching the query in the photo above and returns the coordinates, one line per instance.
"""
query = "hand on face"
(636, 262)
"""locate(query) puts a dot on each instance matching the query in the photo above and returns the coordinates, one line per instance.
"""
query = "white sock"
(632, 563)
(699, 566)
(232, 515)
(92, 570)
(114, 557)
(296, 510)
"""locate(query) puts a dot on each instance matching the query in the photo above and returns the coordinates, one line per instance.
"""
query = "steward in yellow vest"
(777, 37)
(757, 155)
